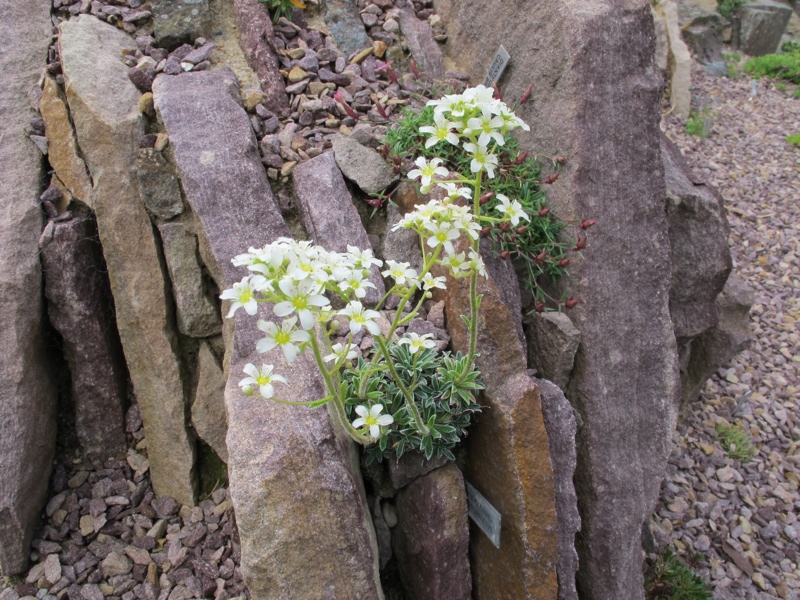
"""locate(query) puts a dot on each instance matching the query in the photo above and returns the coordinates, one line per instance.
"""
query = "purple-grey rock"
(597, 87)
(177, 22)
(27, 395)
(410, 466)
(552, 343)
(362, 165)
(197, 313)
(209, 418)
(158, 186)
(431, 539)
(80, 308)
(424, 49)
(294, 477)
(104, 107)
(328, 214)
(698, 235)
(559, 420)
(199, 54)
(344, 23)
(256, 37)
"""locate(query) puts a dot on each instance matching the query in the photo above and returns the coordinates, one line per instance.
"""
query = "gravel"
(736, 523)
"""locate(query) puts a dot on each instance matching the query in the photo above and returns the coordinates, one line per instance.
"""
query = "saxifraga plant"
(670, 579)
(282, 8)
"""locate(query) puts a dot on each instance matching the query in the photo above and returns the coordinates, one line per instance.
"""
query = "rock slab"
(177, 22)
(294, 479)
(81, 309)
(328, 214)
(104, 107)
(362, 165)
(598, 95)
(759, 26)
(419, 37)
(431, 539)
(552, 343)
(344, 23)
(27, 395)
(209, 418)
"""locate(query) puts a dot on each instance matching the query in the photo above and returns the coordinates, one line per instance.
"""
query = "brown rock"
(63, 152)
(508, 453)
(328, 214)
(27, 396)
(104, 107)
(255, 34)
(411, 466)
(596, 86)
(431, 540)
(80, 308)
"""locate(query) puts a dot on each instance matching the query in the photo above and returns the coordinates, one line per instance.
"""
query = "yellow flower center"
(283, 337)
(263, 379)
(299, 302)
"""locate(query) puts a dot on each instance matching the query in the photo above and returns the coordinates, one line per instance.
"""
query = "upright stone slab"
(294, 479)
(508, 453)
(255, 34)
(80, 308)
(419, 37)
(328, 214)
(104, 107)
(177, 22)
(27, 396)
(597, 97)
(344, 22)
(759, 26)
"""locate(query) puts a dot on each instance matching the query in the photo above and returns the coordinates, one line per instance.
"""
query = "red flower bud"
(485, 231)
(561, 159)
(586, 223)
(505, 227)
(486, 197)
(539, 307)
(526, 95)
(551, 178)
(544, 212)
(581, 244)
(572, 302)
(396, 169)
(397, 159)
(540, 258)
(381, 110)
(520, 159)
(497, 93)
(521, 229)
(385, 150)
(564, 262)
(505, 254)
(414, 69)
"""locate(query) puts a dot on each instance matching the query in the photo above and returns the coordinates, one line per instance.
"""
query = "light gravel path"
(724, 517)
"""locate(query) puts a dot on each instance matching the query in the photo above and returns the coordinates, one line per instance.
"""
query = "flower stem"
(412, 407)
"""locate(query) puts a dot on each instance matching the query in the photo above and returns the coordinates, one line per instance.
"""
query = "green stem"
(412, 407)
(309, 403)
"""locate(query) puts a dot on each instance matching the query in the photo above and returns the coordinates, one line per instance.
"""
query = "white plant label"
(484, 514)
(499, 64)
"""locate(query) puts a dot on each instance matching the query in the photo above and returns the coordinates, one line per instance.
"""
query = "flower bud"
(414, 69)
(485, 231)
(564, 262)
(505, 227)
(540, 258)
(521, 229)
(581, 244)
(497, 93)
(520, 159)
(572, 302)
(561, 159)
(544, 212)
(539, 307)
(505, 254)
(486, 197)
(247, 391)
(551, 178)
(526, 95)
(429, 294)
(586, 223)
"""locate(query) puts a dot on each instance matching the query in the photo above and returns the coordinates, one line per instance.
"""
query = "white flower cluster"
(477, 118)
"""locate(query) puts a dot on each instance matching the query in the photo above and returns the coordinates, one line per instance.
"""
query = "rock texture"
(27, 397)
(598, 95)
(508, 453)
(552, 343)
(419, 37)
(344, 23)
(255, 33)
(209, 418)
(80, 308)
(679, 61)
(431, 540)
(177, 22)
(158, 186)
(559, 420)
(295, 481)
(328, 214)
(759, 26)
(104, 107)
(362, 165)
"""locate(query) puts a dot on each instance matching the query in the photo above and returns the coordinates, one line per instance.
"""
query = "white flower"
(301, 297)
(242, 295)
(454, 192)
(440, 131)
(480, 95)
(360, 317)
(481, 159)
(476, 262)
(416, 342)
(402, 273)
(261, 379)
(372, 420)
(489, 127)
(429, 282)
(363, 259)
(339, 350)
(427, 170)
(511, 210)
(356, 283)
(285, 336)
(456, 264)
(442, 233)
